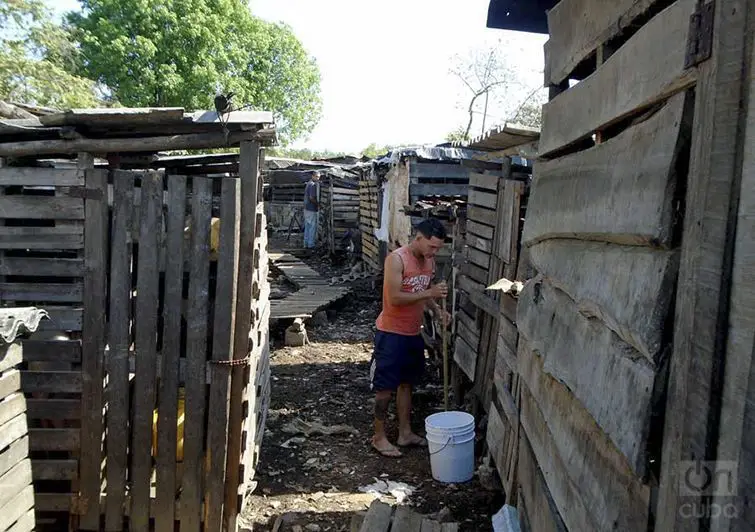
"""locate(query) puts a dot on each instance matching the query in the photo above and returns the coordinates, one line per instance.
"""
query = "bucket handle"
(449, 440)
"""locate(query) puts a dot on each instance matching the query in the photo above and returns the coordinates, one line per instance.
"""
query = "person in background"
(398, 361)
(311, 208)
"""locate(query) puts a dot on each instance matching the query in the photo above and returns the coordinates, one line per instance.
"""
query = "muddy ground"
(313, 481)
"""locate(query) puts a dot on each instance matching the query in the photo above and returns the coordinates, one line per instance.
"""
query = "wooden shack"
(16, 489)
(148, 386)
(633, 370)
(397, 182)
(338, 194)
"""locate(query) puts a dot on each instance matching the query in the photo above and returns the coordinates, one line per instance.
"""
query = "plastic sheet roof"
(15, 322)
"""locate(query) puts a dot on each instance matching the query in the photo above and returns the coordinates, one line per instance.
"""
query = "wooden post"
(93, 340)
(332, 215)
(692, 420)
(249, 175)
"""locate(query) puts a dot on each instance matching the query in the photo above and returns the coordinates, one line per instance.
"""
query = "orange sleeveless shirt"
(407, 319)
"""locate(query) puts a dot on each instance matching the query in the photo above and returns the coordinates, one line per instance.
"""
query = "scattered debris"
(291, 441)
(299, 426)
(399, 490)
(488, 476)
(507, 287)
(506, 520)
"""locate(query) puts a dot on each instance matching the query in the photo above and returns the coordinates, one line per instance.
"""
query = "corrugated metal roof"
(15, 322)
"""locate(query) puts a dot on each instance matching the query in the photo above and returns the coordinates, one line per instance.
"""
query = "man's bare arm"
(392, 279)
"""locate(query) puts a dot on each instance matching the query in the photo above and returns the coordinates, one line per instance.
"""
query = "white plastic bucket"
(450, 439)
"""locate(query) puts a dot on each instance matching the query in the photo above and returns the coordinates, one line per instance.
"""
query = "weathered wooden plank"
(27, 521)
(27, 176)
(13, 430)
(471, 336)
(147, 297)
(508, 229)
(51, 350)
(620, 191)
(54, 440)
(481, 215)
(378, 518)
(427, 170)
(51, 292)
(613, 381)
(478, 257)
(466, 357)
(11, 355)
(10, 382)
(498, 432)
(482, 244)
(482, 199)
(703, 298)
(196, 356)
(628, 288)
(222, 348)
(44, 469)
(250, 185)
(119, 340)
(539, 509)
(17, 506)
(483, 231)
(13, 454)
(591, 482)
(51, 381)
(437, 189)
(405, 520)
(41, 207)
(93, 341)
(55, 502)
(35, 238)
(475, 272)
(477, 296)
(485, 181)
(165, 501)
(633, 78)
(56, 409)
(43, 267)
(574, 37)
(12, 482)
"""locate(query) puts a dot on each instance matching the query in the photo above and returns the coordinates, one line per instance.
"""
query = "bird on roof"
(223, 103)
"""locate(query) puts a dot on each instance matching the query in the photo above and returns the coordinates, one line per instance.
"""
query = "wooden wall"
(171, 342)
(370, 207)
(339, 212)
(16, 490)
(634, 349)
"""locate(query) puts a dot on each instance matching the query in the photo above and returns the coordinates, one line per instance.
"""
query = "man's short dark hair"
(432, 227)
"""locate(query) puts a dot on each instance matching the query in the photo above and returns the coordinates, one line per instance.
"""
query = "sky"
(385, 66)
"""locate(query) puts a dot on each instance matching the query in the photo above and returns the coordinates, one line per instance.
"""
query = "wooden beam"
(695, 388)
(123, 145)
(633, 78)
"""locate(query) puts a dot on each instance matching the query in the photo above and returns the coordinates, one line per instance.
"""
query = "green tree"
(373, 151)
(458, 135)
(184, 52)
(38, 59)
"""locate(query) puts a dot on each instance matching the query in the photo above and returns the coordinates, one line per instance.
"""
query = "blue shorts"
(397, 359)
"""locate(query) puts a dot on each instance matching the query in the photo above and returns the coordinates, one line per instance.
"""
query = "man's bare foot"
(384, 447)
(411, 440)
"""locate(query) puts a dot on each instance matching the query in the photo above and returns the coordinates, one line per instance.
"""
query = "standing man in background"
(311, 208)
(399, 358)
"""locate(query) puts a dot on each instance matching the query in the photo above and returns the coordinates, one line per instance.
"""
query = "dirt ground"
(313, 481)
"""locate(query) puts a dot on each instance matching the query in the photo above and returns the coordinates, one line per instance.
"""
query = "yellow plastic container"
(179, 429)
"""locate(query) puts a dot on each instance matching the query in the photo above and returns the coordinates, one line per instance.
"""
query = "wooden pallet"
(382, 517)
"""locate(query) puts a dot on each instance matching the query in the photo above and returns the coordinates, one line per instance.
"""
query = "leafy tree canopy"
(38, 59)
(183, 52)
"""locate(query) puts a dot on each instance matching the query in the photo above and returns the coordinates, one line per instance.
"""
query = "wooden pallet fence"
(339, 221)
(369, 221)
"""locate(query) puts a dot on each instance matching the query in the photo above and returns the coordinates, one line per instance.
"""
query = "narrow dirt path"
(313, 481)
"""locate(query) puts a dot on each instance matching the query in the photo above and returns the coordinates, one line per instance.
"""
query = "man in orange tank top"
(399, 358)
